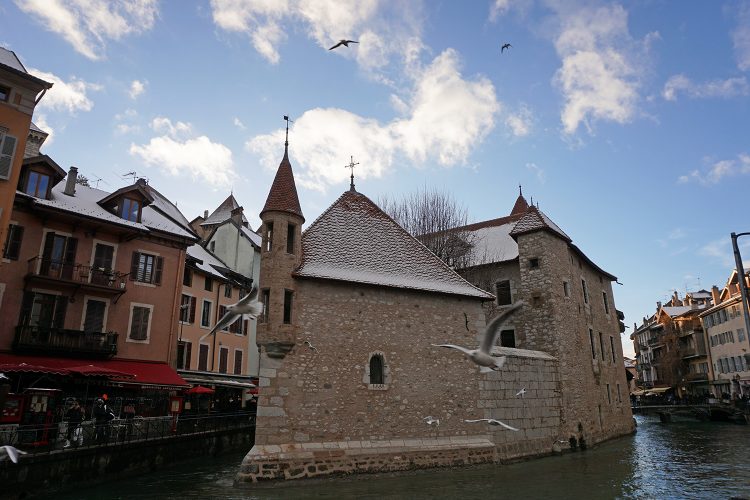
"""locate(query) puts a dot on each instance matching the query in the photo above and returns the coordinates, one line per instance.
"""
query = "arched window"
(376, 369)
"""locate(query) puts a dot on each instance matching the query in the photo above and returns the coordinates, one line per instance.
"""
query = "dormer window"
(131, 210)
(37, 184)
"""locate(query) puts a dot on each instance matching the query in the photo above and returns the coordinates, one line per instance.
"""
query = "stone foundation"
(307, 460)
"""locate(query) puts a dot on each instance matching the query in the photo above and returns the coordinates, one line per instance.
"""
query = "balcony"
(696, 377)
(77, 276)
(63, 341)
(691, 352)
(654, 340)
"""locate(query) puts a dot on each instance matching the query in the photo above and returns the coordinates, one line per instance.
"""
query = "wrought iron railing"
(62, 340)
(78, 273)
(61, 436)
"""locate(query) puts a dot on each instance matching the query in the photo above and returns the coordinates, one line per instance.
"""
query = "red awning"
(149, 374)
(29, 368)
(199, 389)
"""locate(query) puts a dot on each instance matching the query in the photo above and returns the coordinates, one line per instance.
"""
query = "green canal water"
(677, 460)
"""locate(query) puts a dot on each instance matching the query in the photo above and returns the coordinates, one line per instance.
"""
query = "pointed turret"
(521, 204)
(281, 254)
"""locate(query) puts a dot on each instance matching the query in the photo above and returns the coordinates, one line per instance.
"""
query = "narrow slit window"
(291, 230)
(288, 296)
(376, 369)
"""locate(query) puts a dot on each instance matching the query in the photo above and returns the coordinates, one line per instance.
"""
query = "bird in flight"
(11, 452)
(430, 420)
(343, 42)
(505, 46)
(492, 421)
(521, 393)
(483, 355)
(247, 305)
(312, 347)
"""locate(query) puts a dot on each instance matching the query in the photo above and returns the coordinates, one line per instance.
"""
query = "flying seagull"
(521, 393)
(247, 305)
(492, 421)
(312, 347)
(343, 42)
(505, 46)
(11, 452)
(483, 355)
(430, 420)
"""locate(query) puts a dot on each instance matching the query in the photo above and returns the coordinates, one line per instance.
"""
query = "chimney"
(205, 214)
(714, 295)
(237, 215)
(70, 182)
(658, 305)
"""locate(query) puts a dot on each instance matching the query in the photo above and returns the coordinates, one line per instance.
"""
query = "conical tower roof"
(283, 194)
(521, 205)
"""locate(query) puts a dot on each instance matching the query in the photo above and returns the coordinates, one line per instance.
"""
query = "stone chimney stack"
(205, 214)
(714, 295)
(236, 215)
(70, 182)
(658, 306)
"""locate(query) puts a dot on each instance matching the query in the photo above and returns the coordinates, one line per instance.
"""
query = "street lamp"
(741, 280)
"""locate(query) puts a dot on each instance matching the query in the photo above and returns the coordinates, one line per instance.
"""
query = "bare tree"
(434, 217)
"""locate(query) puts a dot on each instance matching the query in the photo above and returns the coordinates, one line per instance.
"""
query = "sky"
(628, 123)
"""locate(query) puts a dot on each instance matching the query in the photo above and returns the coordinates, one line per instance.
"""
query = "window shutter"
(7, 148)
(238, 362)
(188, 353)
(13, 243)
(192, 309)
(26, 305)
(61, 304)
(157, 273)
(134, 266)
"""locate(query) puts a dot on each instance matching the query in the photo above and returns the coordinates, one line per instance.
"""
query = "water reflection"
(677, 460)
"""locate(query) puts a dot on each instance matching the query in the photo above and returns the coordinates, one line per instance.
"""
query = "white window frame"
(93, 253)
(106, 301)
(147, 340)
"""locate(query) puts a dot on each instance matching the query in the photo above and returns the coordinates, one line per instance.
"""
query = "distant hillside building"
(348, 371)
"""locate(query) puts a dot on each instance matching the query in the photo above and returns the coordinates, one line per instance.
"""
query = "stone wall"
(559, 324)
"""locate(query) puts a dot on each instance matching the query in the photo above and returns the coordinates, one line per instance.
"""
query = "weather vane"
(288, 121)
(351, 166)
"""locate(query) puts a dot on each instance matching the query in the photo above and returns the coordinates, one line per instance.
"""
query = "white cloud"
(444, 117)
(68, 96)
(162, 124)
(325, 21)
(730, 87)
(498, 8)
(597, 78)
(718, 170)
(202, 158)
(537, 171)
(88, 24)
(520, 123)
(126, 128)
(238, 123)
(741, 37)
(137, 88)
(40, 120)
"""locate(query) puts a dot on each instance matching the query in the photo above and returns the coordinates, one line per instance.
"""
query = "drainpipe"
(216, 320)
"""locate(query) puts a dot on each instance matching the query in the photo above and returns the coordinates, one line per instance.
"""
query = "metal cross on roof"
(351, 165)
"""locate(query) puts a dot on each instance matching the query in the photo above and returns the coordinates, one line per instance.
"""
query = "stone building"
(348, 371)
(571, 314)
(728, 342)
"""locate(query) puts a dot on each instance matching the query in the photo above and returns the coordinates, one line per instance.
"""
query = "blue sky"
(628, 123)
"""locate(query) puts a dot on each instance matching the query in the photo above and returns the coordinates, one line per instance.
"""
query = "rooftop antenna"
(351, 166)
(129, 174)
(97, 180)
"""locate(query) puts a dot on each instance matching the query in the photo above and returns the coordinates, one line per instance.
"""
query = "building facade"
(728, 341)
(19, 94)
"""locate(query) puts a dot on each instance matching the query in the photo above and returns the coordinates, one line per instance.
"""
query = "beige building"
(728, 341)
(349, 372)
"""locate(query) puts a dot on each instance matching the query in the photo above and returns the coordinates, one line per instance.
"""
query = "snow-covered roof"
(209, 261)
(674, 311)
(223, 212)
(252, 236)
(85, 202)
(492, 244)
(355, 241)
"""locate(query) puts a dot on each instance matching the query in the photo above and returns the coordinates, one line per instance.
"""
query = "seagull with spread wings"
(505, 46)
(494, 422)
(343, 42)
(247, 305)
(11, 452)
(430, 420)
(483, 355)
